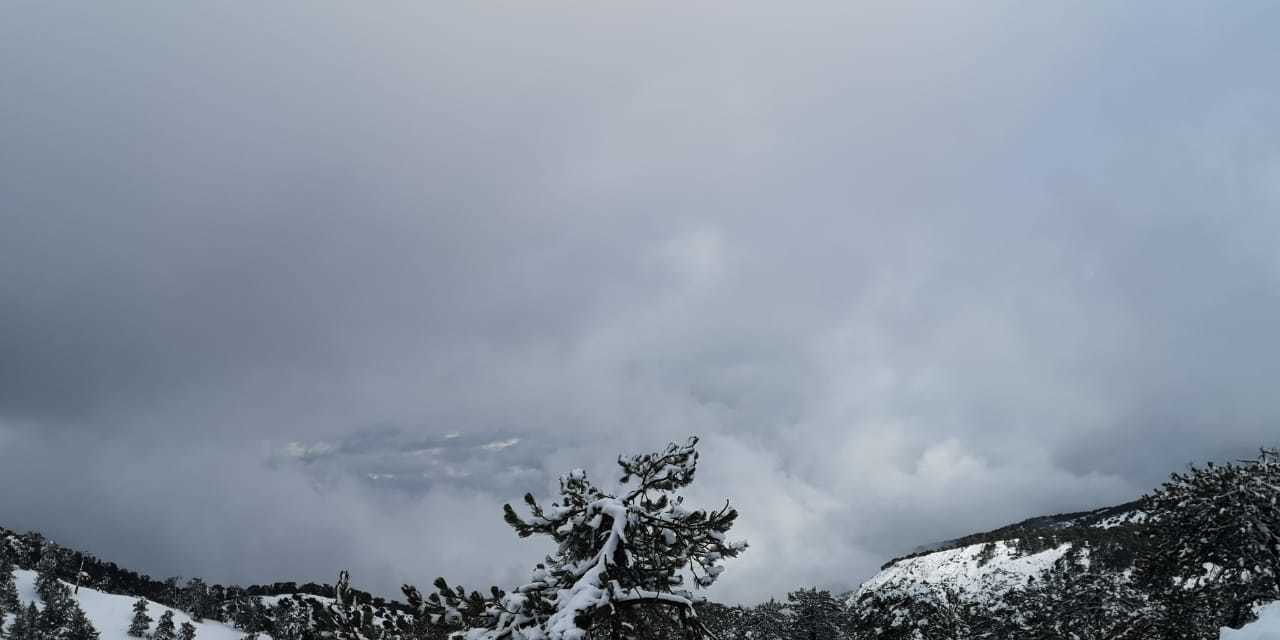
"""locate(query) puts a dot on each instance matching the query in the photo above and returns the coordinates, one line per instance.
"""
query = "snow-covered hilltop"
(978, 571)
(984, 566)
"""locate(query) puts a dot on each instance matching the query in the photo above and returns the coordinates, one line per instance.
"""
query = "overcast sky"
(292, 287)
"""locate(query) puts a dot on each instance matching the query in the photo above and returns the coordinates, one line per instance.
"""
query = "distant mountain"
(983, 566)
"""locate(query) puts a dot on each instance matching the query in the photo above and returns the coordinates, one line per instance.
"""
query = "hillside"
(280, 610)
(988, 564)
(110, 612)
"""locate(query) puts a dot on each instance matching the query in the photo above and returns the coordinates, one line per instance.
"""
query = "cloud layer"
(299, 287)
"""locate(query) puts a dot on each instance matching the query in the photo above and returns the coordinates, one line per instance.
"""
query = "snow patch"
(110, 613)
(963, 570)
(1267, 626)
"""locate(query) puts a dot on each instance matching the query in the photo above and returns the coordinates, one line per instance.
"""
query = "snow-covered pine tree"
(1214, 536)
(342, 589)
(904, 612)
(58, 608)
(26, 624)
(1072, 600)
(8, 586)
(721, 621)
(816, 615)
(766, 621)
(349, 621)
(289, 621)
(141, 622)
(195, 599)
(164, 627)
(187, 631)
(79, 627)
(47, 571)
(341, 611)
(614, 552)
(18, 626)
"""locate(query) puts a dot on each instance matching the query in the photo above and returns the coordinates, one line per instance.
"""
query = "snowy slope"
(962, 570)
(1267, 626)
(110, 613)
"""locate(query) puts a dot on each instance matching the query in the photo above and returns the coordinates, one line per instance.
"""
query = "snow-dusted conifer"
(79, 627)
(47, 571)
(164, 627)
(26, 624)
(196, 600)
(251, 615)
(1073, 600)
(141, 622)
(342, 590)
(8, 587)
(1214, 537)
(289, 621)
(18, 627)
(615, 551)
(187, 631)
(58, 609)
(350, 622)
(815, 615)
(766, 621)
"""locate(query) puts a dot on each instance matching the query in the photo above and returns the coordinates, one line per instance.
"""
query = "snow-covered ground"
(1267, 626)
(111, 613)
(959, 569)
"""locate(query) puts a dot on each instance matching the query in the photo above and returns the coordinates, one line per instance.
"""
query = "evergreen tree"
(1214, 543)
(18, 628)
(196, 599)
(289, 621)
(55, 618)
(187, 631)
(171, 594)
(251, 615)
(721, 621)
(8, 587)
(1071, 600)
(766, 621)
(165, 628)
(47, 571)
(903, 611)
(815, 615)
(614, 552)
(79, 627)
(26, 624)
(141, 621)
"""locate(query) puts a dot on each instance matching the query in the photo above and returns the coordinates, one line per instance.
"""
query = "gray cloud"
(273, 277)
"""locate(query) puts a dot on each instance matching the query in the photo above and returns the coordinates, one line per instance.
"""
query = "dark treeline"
(28, 550)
